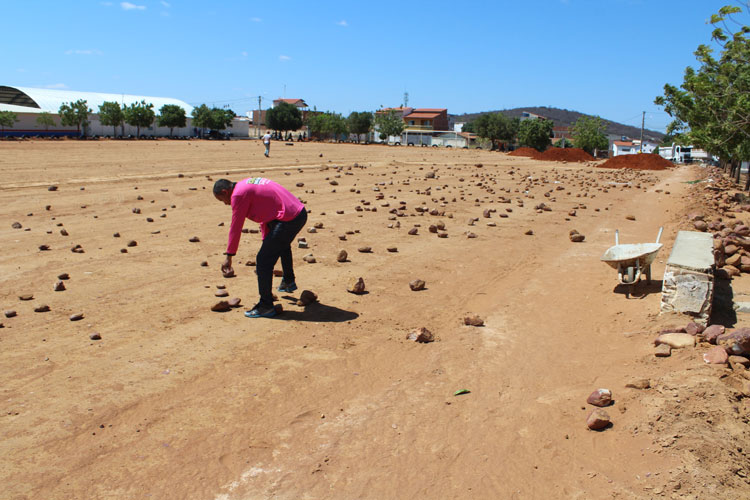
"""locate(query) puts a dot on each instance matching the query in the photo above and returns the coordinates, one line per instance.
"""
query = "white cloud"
(131, 6)
(165, 4)
(343, 23)
(56, 86)
(84, 52)
(255, 19)
(285, 58)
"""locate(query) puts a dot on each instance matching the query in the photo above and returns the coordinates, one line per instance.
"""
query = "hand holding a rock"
(226, 267)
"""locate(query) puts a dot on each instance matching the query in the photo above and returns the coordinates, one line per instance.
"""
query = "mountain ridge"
(566, 118)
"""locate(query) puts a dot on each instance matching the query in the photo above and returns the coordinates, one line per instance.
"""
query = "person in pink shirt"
(281, 216)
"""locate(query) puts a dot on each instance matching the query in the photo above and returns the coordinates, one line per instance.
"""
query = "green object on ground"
(461, 391)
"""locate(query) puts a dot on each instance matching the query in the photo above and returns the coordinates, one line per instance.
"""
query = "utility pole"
(260, 117)
(643, 121)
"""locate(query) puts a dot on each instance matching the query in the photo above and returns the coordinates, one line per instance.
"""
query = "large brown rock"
(342, 256)
(221, 306)
(712, 332)
(717, 355)
(694, 328)
(676, 340)
(598, 420)
(700, 225)
(600, 397)
(307, 297)
(417, 285)
(473, 320)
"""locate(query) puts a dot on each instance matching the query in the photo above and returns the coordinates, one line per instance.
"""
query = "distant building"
(561, 133)
(29, 102)
(423, 124)
(525, 115)
(632, 147)
(300, 103)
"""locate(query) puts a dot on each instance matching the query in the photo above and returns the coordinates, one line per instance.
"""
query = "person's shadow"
(318, 312)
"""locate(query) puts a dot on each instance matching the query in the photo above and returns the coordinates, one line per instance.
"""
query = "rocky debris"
(529, 232)
(694, 328)
(630, 217)
(26, 296)
(116, 235)
(194, 239)
(442, 235)
(60, 286)
(136, 210)
(364, 249)
(639, 383)
(598, 420)
(392, 249)
(356, 286)
(717, 355)
(221, 306)
(473, 320)
(736, 342)
(433, 228)
(52, 188)
(417, 285)
(41, 309)
(576, 237)
(149, 219)
(470, 235)
(10, 313)
(711, 333)
(95, 336)
(132, 243)
(16, 225)
(421, 335)
(77, 249)
(662, 351)
(76, 317)
(307, 297)
(300, 184)
(228, 273)
(279, 273)
(204, 263)
(221, 293)
(342, 256)
(675, 340)
(413, 231)
(600, 397)
(700, 225)
(279, 308)
(234, 302)
(64, 232)
(309, 258)
(302, 243)
(739, 360)
(43, 248)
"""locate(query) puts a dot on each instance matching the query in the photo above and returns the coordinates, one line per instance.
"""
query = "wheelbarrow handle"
(617, 236)
(658, 236)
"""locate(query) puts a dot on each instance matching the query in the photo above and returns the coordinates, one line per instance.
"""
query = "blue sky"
(602, 57)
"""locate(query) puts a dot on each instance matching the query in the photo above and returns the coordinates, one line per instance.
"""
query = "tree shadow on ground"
(722, 308)
(319, 312)
(640, 290)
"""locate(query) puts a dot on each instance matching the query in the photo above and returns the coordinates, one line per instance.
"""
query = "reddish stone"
(221, 306)
(417, 285)
(422, 335)
(694, 328)
(717, 355)
(307, 297)
(600, 397)
(473, 321)
(736, 342)
(598, 420)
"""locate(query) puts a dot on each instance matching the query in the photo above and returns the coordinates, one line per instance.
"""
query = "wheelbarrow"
(633, 259)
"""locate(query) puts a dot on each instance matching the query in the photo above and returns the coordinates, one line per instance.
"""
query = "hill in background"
(566, 118)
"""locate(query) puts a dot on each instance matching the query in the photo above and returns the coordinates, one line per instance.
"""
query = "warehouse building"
(27, 103)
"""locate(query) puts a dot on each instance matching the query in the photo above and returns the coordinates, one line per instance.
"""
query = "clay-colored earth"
(331, 401)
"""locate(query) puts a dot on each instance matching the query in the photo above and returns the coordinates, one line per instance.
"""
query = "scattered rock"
(43, 248)
(600, 397)
(662, 351)
(16, 225)
(26, 296)
(204, 263)
(60, 286)
(278, 273)
(694, 328)
(342, 256)
(307, 297)
(309, 258)
(392, 249)
(736, 342)
(221, 293)
(576, 237)
(235, 302)
(77, 249)
(630, 217)
(356, 286)
(700, 225)
(64, 232)
(76, 317)
(529, 232)
(194, 239)
(42, 308)
(95, 336)
(132, 243)
(221, 306)
(639, 383)
(417, 285)
(598, 420)
(422, 335)
(676, 340)
(717, 355)
(473, 321)
(10, 313)
(739, 360)
(413, 231)
(711, 333)
(52, 188)
(364, 249)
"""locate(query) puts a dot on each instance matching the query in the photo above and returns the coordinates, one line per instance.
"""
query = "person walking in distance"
(267, 143)
(281, 216)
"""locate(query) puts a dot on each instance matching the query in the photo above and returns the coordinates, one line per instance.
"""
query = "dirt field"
(331, 401)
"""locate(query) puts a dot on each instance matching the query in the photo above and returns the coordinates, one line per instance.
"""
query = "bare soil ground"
(331, 400)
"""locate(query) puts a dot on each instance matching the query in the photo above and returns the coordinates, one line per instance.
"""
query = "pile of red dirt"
(566, 154)
(644, 161)
(530, 152)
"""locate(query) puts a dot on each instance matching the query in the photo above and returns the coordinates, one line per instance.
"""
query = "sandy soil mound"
(645, 161)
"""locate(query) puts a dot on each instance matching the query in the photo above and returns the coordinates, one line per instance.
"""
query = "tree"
(326, 125)
(711, 109)
(469, 127)
(563, 143)
(388, 124)
(496, 127)
(172, 115)
(212, 118)
(110, 114)
(283, 117)
(535, 133)
(75, 113)
(45, 120)
(7, 119)
(359, 122)
(589, 134)
(139, 114)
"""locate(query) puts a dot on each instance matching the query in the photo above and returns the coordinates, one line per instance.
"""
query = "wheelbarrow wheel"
(631, 274)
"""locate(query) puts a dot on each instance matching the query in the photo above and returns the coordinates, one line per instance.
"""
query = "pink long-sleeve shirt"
(260, 200)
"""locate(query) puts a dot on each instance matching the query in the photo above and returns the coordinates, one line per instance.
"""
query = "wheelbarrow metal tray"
(625, 255)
